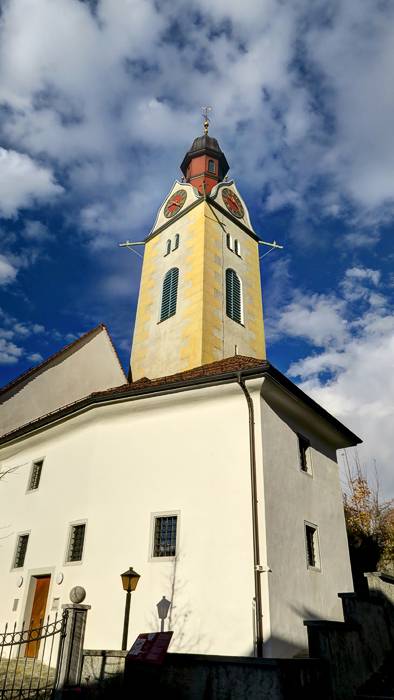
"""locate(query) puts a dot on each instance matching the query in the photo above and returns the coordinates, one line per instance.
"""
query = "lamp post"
(130, 579)
(163, 607)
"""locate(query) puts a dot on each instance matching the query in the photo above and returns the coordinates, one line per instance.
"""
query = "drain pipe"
(255, 521)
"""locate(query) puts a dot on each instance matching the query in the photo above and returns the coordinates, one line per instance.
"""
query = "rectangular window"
(75, 546)
(312, 546)
(164, 538)
(35, 475)
(304, 448)
(20, 553)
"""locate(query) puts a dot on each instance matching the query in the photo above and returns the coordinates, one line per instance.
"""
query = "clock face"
(233, 203)
(174, 203)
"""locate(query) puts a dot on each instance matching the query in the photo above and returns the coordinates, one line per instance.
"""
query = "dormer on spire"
(205, 164)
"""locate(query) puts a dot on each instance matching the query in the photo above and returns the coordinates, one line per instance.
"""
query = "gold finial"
(205, 113)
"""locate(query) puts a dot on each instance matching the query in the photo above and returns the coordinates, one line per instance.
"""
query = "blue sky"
(99, 101)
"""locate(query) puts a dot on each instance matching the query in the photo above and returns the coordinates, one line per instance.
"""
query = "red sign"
(150, 647)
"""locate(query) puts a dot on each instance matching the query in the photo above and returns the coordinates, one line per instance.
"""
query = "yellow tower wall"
(199, 332)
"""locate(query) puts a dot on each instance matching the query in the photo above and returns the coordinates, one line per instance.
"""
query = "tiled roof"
(229, 364)
(219, 371)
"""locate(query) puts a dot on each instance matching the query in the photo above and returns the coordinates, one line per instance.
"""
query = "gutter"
(255, 521)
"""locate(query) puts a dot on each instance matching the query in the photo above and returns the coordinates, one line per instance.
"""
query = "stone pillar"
(71, 662)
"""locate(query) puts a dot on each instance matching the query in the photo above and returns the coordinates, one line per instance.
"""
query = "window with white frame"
(229, 242)
(312, 546)
(304, 454)
(165, 535)
(169, 294)
(211, 166)
(75, 542)
(35, 475)
(237, 248)
(233, 296)
(20, 552)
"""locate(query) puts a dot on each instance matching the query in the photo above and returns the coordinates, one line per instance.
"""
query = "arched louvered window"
(233, 296)
(169, 295)
(176, 241)
(168, 247)
(229, 241)
(211, 166)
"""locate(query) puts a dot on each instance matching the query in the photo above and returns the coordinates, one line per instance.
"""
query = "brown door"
(37, 614)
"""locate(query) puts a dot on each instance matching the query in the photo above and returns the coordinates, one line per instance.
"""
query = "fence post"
(71, 660)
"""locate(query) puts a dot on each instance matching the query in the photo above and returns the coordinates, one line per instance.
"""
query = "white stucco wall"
(291, 497)
(89, 365)
(185, 453)
(114, 467)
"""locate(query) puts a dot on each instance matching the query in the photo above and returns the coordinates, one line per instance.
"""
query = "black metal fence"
(30, 659)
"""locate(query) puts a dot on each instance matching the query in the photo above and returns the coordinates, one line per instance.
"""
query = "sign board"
(150, 647)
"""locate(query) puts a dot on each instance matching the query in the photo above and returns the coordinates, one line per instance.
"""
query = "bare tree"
(369, 522)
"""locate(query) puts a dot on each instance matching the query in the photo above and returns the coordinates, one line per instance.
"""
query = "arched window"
(169, 294)
(237, 249)
(176, 241)
(168, 247)
(229, 242)
(211, 166)
(233, 296)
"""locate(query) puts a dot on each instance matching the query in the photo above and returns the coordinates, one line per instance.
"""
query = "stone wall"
(357, 648)
(194, 676)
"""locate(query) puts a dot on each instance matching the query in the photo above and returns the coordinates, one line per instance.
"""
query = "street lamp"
(130, 579)
(162, 610)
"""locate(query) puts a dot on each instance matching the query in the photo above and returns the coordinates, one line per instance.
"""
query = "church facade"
(209, 472)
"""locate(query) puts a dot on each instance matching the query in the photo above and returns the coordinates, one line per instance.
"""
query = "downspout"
(255, 521)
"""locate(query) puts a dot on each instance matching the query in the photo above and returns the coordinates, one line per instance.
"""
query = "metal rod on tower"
(130, 246)
(274, 244)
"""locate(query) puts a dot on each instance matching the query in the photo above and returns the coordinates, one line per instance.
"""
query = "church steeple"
(200, 293)
(205, 164)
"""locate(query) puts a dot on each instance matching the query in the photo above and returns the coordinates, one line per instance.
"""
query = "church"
(205, 468)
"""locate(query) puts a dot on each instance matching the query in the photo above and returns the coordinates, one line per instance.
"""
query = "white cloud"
(35, 357)
(23, 182)
(9, 352)
(314, 317)
(8, 271)
(36, 232)
(353, 374)
(112, 98)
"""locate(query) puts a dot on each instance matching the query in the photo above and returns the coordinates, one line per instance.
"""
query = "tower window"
(168, 248)
(176, 241)
(169, 295)
(237, 249)
(229, 241)
(211, 166)
(233, 296)
(21, 547)
(312, 546)
(35, 475)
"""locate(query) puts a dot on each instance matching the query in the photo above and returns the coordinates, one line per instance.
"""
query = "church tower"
(200, 292)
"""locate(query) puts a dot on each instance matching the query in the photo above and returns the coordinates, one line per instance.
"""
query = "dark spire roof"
(206, 145)
(205, 142)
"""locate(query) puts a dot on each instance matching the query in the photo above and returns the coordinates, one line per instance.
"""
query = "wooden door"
(37, 613)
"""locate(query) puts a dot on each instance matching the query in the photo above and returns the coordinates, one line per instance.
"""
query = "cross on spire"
(205, 114)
